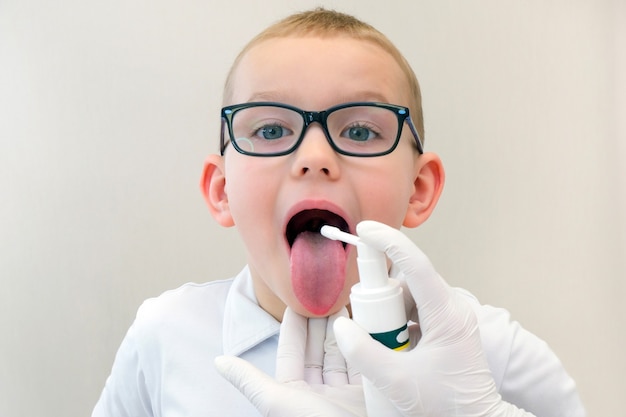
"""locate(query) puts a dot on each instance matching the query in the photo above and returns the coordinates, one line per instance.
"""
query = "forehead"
(317, 72)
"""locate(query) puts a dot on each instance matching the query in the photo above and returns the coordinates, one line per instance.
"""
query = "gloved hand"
(312, 378)
(446, 373)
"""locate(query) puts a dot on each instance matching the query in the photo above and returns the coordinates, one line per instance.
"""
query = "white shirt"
(164, 366)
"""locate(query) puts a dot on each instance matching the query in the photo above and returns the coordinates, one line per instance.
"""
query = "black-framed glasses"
(363, 129)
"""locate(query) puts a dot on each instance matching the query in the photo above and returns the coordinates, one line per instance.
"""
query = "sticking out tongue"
(317, 271)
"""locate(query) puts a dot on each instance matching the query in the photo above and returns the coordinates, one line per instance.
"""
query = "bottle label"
(396, 339)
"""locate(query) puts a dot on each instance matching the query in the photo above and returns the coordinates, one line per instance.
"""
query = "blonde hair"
(328, 23)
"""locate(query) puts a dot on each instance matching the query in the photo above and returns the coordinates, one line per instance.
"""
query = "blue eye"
(272, 132)
(359, 133)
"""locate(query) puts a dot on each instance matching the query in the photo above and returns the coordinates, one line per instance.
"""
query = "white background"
(107, 110)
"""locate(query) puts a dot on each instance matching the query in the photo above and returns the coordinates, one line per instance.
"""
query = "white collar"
(246, 324)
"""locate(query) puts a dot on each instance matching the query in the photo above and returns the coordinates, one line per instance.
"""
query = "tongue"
(317, 271)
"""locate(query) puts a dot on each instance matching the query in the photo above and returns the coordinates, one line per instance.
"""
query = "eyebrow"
(265, 96)
(366, 96)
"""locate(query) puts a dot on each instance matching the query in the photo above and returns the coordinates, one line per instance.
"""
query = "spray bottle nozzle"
(334, 233)
(372, 263)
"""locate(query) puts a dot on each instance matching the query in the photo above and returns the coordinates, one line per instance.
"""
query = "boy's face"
(272, 199)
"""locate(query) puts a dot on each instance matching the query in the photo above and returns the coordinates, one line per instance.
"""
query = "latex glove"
(312, 378)
(446, 373)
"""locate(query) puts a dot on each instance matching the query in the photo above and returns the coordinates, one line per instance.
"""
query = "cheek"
(252, 186)
(249, 192)
(386, 196)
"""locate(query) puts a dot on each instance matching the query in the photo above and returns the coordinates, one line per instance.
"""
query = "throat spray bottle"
(378, 307)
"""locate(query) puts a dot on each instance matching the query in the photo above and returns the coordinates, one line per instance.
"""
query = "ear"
(213, 186)
(427, 187)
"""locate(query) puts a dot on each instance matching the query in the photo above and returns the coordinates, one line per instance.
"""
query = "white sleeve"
(125, 393)
(527, 372)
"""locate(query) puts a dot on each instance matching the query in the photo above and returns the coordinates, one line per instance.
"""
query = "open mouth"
(312, 221)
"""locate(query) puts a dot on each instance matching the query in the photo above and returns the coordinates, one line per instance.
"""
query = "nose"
(315, 157)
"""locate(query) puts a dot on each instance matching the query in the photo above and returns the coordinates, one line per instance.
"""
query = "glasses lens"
(266, 130)
(363, 129)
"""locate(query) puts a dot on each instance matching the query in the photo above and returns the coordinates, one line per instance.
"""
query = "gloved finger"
(291, 347)
(410, 308)
(249, 380)
(271, 398)
(370, 357)
(335, 372)
(388, 370)
(314, 351)
(430, 291)
(354, 375)
(415, 334)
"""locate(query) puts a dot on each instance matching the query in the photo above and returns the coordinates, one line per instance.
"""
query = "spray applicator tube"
(378, 307)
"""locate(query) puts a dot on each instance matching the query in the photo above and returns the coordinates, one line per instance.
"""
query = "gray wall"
(107, 110)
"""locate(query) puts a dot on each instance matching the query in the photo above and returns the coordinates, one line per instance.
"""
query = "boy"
(322, 124)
